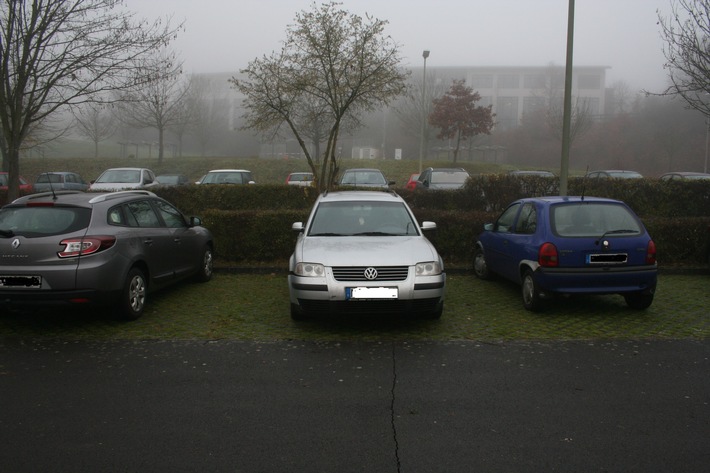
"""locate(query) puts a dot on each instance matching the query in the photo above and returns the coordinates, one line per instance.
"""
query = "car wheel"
(480, 268)
(296, 313)
(531, 292)
(436, 314)
(638, 300)
(133, 297)
(206, 266)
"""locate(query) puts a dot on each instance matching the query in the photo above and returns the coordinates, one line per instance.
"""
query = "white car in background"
(116, 179)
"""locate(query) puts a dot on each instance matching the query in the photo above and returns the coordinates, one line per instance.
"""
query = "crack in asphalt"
(392, 414)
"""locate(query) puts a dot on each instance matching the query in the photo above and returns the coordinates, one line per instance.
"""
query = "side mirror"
(427, 226)
(488, 227)
(195, 221)
(297, 227)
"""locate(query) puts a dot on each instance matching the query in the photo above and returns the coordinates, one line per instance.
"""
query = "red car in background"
(25, 186)
(412, 182)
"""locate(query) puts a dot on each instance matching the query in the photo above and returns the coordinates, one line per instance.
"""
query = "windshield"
(448, 177)
(42, 221)
(362, 218)
(363, 177)
(120, 176)
(593, 220)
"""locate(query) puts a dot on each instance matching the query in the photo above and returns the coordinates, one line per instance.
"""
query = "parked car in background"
(614, 174)
(76, 248)
(363, 252)
(116, 179)
(172, 179)
(519, 172)
(25, 186)
(412, 181)
(569, 245)
(442, 178)
(227, 176)
(681, 176)
(60, 180)
(303, 179)
(364, 177)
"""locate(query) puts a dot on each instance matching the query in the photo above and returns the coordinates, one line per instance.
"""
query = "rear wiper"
(613, 232)
(7, 233)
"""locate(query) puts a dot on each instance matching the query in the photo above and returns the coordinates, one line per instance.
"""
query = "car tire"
(530, 292)
(639, 300)
(480, 268)
(297, 314)
(133, 296)
(206, 266)
(436, 314)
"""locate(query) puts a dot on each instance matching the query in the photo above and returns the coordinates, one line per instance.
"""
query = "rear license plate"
(364, 293)
(21, 281)
(607, 258)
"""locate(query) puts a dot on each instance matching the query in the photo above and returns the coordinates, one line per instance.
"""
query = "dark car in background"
(77, 248)
(684, 175)
(173, 179)
(614, 174)
(569, 245)
(442, 178)
(60, 180)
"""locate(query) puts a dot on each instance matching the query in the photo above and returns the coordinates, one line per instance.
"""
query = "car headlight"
(430, 268)
(314, 270)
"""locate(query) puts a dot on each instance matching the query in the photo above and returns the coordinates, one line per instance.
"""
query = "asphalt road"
(232, 406)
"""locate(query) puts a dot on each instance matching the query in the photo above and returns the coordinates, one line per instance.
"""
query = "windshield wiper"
(326, 234)
(375, 234)
(613, 232)
(7, 233)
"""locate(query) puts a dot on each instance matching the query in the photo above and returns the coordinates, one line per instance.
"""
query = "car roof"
(228, 170)
(556, 199)
(126, 169)
(343, 196)
(80, 198)
(448, 170)
(685, 173)
(362, 169)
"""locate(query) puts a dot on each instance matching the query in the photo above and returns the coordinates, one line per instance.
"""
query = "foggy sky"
(224, 35)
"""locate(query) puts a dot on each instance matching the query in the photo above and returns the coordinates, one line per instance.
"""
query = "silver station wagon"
(363, 252)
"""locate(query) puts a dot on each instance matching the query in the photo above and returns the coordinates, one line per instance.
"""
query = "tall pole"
(425, 55)
(707, 136)
(567, 116)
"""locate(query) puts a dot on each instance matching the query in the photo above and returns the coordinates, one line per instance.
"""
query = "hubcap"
(136, 293)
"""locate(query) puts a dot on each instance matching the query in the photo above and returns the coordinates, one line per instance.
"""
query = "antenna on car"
(584, 183)
(51, 187)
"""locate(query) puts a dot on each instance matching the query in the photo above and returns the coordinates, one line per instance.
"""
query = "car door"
(156, 240)
(499, 251)
(187, 243)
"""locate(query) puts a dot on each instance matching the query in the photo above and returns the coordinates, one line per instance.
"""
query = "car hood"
(365, 251)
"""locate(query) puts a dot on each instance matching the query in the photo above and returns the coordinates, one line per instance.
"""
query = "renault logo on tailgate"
(371, 274)
(15, 243)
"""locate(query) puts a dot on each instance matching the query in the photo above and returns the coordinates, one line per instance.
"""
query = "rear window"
(43, 221)
(593, 219)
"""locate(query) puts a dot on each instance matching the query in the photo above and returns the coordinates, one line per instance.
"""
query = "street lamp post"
(425, 55)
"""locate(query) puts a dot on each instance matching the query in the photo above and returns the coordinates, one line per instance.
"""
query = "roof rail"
(39, 195)
(118, 194)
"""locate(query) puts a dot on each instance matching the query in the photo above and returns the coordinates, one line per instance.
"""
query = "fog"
(224, 35)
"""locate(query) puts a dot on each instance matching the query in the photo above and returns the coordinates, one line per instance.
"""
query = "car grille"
(404, 307)
(357, 273)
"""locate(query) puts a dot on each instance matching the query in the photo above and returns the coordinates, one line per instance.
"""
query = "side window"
(506, 220)
(115, 216)
(527, 222)
(171, 216)
(143, 213)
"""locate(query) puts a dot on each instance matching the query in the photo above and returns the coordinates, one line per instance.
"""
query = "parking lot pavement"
(376, 406)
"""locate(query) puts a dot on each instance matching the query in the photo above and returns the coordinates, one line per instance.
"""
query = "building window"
(533, 104)
(589, 104)
(482, 81)
(508, 81)
(534, 81)
(507, 112)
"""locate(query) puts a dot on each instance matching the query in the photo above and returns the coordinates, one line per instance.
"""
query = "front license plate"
(361, 293)
(21, 281)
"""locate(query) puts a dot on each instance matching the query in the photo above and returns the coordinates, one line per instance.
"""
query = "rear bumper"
(603, 280)
(39, 298)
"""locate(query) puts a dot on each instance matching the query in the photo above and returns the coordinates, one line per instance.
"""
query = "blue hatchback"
(570, 245)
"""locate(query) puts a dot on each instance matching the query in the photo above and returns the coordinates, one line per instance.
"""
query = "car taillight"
(651, 253)
(547, 255)
(85, 246)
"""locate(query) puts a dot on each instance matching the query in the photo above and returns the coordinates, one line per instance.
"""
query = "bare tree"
(207, 111)
(58, 53)
(95, 122)
(330, 58)
(414, 110)
(160, 102)
(686, 32)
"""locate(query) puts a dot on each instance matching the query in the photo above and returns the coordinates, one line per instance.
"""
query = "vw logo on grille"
(15, 243)
(371, 274)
